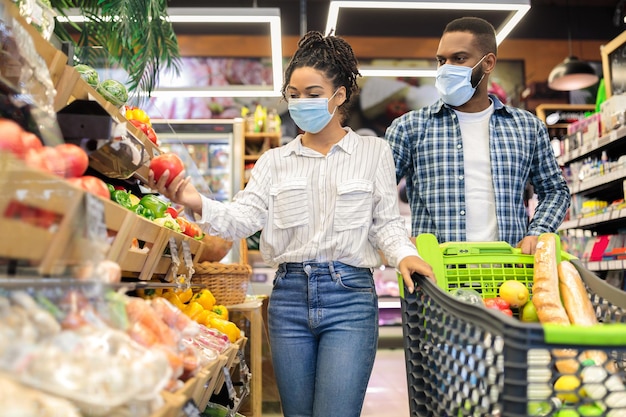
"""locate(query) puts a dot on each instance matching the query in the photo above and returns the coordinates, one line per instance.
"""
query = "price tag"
(190, 409)
(94, 218)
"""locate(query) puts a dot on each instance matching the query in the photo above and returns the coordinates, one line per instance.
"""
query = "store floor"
(387, 391)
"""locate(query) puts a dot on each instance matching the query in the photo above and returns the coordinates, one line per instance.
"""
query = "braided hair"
(331, 55)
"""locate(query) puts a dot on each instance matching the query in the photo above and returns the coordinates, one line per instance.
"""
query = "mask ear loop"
(481, 78)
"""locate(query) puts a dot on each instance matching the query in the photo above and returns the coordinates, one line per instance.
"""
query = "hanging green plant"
(134, 34)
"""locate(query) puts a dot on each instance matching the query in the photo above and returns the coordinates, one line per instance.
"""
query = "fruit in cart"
(528, 313)
(166, 162)
(467, 295)
(590, 410)
(514, 292)
(89, 74)
(76, 159)
(113, 91)
(500, 304)
(568, 388)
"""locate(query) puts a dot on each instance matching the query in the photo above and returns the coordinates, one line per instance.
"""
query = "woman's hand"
(179, 191)
(414, 264)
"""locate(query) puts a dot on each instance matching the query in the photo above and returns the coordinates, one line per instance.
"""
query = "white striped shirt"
(342, 206)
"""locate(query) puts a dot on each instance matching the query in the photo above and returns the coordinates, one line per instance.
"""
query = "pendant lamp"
(572, 73)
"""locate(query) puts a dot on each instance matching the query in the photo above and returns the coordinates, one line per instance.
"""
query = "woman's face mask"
(454, 83)
(311, 114)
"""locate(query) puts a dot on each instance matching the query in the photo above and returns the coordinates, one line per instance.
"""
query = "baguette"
(546, 296)
(547, 299)
(579, 308)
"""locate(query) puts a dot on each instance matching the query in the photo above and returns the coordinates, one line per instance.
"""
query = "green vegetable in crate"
(152, 202)
(113, 91)
(143, 211)
(88, 74)
(122, 198)
(169, 222)
(467, 295)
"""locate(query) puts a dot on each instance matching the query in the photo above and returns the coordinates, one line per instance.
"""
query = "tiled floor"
(387, 391)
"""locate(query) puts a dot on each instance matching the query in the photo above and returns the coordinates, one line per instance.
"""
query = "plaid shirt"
(428, 151)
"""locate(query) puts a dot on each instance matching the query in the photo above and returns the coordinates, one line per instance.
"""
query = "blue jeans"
(323, 329)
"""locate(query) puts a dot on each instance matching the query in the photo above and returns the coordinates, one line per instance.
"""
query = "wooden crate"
(211, 383)
(46, 218)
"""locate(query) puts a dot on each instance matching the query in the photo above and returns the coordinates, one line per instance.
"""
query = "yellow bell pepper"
(193, 309)
(134, 113)
(185, 295)
(229, 328)
(205, 298)
(173, 298)
(221, 311)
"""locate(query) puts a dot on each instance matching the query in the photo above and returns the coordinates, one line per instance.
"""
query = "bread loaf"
(547, 299)
(579, 308)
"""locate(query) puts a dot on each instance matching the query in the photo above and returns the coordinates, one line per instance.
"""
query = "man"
(467, 158)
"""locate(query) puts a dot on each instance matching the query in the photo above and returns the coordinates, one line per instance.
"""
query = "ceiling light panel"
(513, 10)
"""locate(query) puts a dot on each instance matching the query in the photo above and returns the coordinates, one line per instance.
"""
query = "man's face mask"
(454, 83)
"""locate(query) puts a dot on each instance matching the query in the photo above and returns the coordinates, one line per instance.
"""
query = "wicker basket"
(227, 282)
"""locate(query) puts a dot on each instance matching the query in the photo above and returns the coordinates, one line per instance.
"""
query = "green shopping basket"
(463, 359)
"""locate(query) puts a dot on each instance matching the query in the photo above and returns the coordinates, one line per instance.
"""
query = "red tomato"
(54, 159)
(498, 303)
(46, 159)
(11, 137)
(76, 159)
(507, 311)
(91, 184)
(166, 161)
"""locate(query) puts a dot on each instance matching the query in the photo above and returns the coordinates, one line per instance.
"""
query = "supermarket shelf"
(591, 221)
(598, 181)
(613, 136)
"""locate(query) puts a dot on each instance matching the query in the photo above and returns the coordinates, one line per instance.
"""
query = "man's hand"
(528, 245)
(411, 265)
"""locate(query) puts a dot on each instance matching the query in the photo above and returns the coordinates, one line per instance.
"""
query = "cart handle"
(611, 334)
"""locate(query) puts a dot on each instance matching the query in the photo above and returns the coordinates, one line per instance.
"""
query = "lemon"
(514, 292)
(567, 388)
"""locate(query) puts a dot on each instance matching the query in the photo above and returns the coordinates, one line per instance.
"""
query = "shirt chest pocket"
(290, 203)
(353, 208)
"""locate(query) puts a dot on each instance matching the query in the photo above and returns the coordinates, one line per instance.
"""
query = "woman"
(327, 203)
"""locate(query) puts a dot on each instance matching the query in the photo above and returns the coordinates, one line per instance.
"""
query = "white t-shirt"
(480, 202)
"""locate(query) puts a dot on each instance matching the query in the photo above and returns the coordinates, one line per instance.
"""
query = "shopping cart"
(465, 360)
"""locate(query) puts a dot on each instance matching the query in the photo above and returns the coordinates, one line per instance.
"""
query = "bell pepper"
(155, 204)
(111, 189)
(184, 295)
(168, 222)
(221, 311)
(173, 298)
(143, 211)
(122, 198)
(135, 113)
(229, 328)
(205, 298)
(193, 309)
